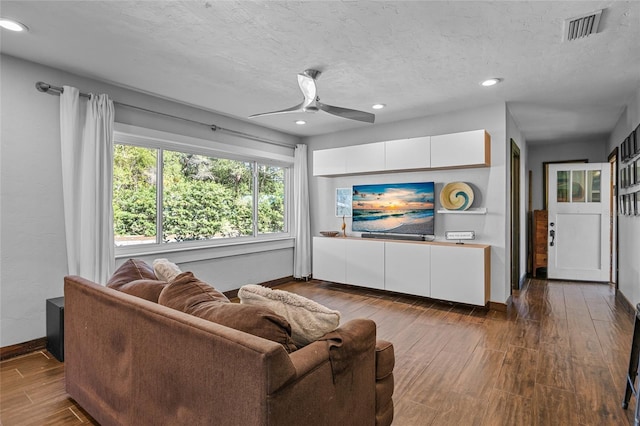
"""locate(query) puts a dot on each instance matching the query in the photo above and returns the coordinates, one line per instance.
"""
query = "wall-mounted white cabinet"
(465, 149)
(364, 158)
(445, 271)
(460, 273)
(329, 256)
(407, 268)
(327, 162)
(408, 154)
(364, 263)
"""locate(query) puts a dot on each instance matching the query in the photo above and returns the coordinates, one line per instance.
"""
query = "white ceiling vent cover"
(581, 26)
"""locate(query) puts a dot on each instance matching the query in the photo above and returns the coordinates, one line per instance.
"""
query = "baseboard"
(622, 298)
(22, 348)
(500, 307)
(231, 294)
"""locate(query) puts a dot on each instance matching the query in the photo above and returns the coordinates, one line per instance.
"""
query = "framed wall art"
(623, 150)
(343, 202)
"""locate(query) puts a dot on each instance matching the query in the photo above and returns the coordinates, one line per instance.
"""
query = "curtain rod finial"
(43, 87)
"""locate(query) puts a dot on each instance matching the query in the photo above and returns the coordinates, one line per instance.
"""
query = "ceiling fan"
(311, 102)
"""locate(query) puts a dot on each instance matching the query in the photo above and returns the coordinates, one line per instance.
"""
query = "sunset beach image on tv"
(401, 208)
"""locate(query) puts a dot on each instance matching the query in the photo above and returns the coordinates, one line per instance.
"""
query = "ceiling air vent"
(581, 26)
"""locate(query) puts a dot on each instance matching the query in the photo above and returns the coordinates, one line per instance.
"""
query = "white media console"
(445, 271)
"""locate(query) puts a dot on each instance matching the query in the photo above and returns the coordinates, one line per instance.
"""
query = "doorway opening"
(515, 217)
(613, 222)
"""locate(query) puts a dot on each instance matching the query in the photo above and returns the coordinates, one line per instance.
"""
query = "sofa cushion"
(166, 270)
(309, 320)
(186, 291)
(146, 289)
(188, 294)
(131, 270)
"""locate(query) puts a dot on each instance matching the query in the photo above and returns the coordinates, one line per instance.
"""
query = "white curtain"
(302, 250)
(86, 132)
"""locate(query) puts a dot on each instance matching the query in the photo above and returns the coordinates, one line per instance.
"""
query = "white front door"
(578, 239)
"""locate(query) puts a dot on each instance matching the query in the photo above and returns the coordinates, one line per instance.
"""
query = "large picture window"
(163, 196)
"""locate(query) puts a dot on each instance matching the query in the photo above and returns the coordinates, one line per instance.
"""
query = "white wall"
(628, 226)
(595, 151)
(32, 249)
(488, 183)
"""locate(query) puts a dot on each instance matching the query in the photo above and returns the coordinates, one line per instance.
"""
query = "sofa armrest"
(309, 357)
(340, 346)
(335, 380)
(348, 343)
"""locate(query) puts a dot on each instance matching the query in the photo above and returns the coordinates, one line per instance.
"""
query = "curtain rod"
(56, 90)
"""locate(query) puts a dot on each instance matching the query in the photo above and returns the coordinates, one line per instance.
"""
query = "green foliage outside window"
(134, 194)
(203, 197)
(270, 199)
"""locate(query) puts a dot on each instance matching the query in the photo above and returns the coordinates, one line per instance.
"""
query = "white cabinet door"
(365, 158)
(407, 268)
(458, 274)
(365, 263)
(407, 154)
(329, 260)
(328, 162)
(465, 149)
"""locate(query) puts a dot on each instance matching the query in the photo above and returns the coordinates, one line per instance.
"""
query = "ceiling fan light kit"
(311, 102)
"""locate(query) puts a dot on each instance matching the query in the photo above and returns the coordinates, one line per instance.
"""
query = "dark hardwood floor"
(558, 356)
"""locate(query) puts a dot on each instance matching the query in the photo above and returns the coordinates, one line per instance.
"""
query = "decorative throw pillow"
(188, 294)
(131, 270)
(146, 289)
(166, 270)
(309, 320)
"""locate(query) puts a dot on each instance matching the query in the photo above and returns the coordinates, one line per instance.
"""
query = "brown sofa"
(132, 361)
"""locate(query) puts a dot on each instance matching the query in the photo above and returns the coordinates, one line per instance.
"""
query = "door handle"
(552, 234)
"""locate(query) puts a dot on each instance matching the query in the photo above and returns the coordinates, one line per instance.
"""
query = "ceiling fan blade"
(297, 108)
(308, 87)
(352, 114)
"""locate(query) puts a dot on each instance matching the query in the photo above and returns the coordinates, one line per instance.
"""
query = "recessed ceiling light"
(378, 106)
(301, 122)
(491, 82)
(11, 25)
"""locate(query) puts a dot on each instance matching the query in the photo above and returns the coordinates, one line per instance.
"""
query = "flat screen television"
(398, 208)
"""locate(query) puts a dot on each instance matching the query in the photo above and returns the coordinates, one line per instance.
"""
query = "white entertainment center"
(439, 270)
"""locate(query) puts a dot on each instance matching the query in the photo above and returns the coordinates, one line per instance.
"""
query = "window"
(164, 196)
(581, 191)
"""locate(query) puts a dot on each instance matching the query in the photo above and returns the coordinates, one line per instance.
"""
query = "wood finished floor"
(557, 357)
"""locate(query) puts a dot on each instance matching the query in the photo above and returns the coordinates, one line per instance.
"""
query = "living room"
(34, 259)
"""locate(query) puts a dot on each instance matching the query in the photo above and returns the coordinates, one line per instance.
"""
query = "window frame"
(222, 247)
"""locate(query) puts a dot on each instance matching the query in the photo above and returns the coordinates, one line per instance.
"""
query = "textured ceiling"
(420, 58)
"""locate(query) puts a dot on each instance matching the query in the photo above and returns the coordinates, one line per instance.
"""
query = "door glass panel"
(577, 186)
(593, 186)
(563, 184)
